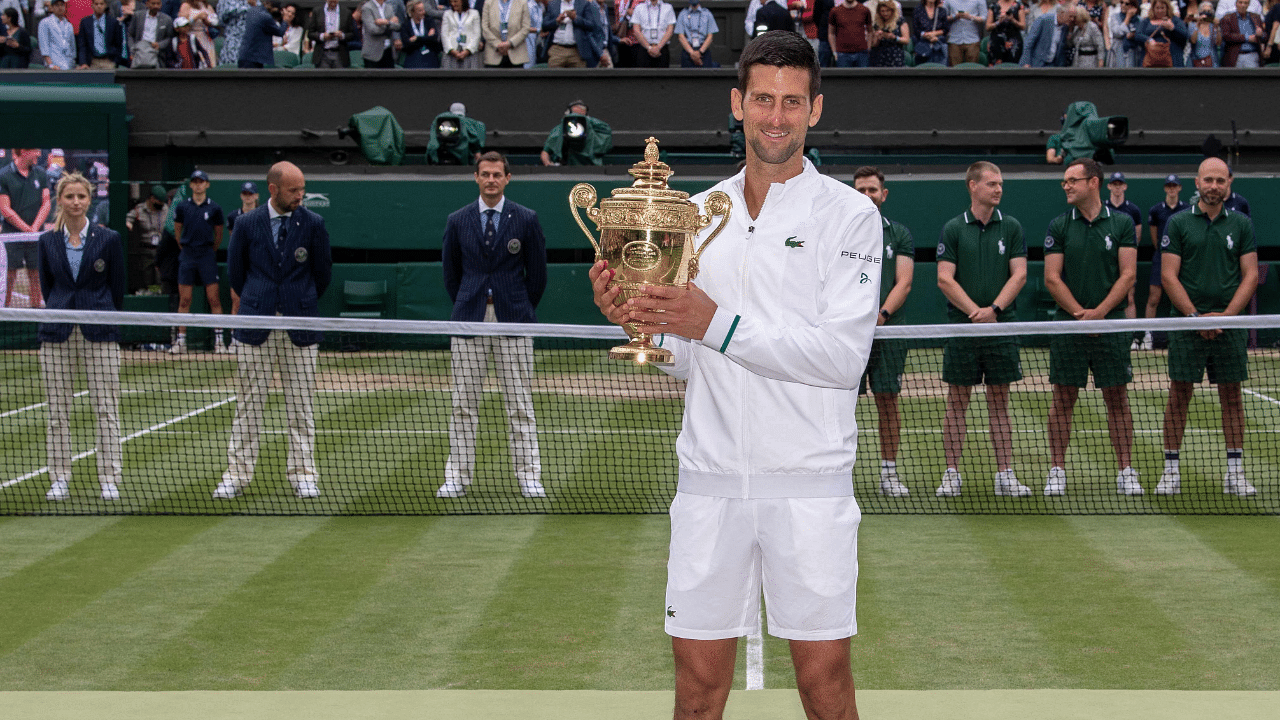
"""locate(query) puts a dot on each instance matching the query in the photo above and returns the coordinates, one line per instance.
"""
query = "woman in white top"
(460, 36)
(294, 36)
(202, 17)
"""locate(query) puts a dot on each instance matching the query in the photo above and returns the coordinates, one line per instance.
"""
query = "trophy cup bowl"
(648, 234)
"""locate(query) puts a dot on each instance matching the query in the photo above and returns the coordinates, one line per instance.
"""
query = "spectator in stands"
(197, 225)
(294, 37)
(814, 21)
(1117, 186)
(573, 27)
(19, 7)
(1272, 32)
(1098, 12)
(1006, 22)
(202, 17)
(280, 262)
(381, 26)
(260, 26)
(24, 206)
(504, 24)
(461, 37)
(1087, 40)
(890, 35)
(58, 38)
(1157, 218)
(1047, 41)
(1206, 38)
(982, 266)
(184, 52)
(1090, 262)
(1210, 270)
(495, 270)
(15, 49)
(1163, 36)
(1242, 37)
(888, 357)
(420, 38)
(533, 41)
(1036, 9)
(81, 268)
(151, 31)
(653, 24)
(232, 15)
(100, 39)
(769, 15)
(695, 27)
(330, 29)
(624, 29)
(1121, 24)
(145, 223)
(849, 32)
(929, 23)
(1226, 7)
(603, 37)
(964, 35)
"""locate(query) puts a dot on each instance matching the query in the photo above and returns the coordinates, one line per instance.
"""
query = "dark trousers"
(645, 60)
(505, 63)
(249, 65)
(388, 60)
(687, 62)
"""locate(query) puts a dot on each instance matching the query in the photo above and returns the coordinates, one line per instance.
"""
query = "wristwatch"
(1194, 314)
(997, 308)
(885, 313)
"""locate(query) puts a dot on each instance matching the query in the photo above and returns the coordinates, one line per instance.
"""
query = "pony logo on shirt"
(206, 214)
(1230, 243)
(888, 251)
(1106, 241)
(1000, 246)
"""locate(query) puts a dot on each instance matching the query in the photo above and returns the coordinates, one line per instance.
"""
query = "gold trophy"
(647, 233)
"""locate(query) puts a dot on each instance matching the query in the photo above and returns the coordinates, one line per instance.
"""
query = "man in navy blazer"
(495, 270)
(255, 46)
(584, 15)
(99, 42)
(279, 263)
(1039, 49)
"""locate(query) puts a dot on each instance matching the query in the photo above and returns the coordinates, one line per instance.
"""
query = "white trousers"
(297, 366)
(513, 357)
(59, 365)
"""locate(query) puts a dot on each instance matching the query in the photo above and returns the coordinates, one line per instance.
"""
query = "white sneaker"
(306, 489)
(234, 347)
(950, 486)
(226, 490)
(890, 485)
(1056, 484)
(451, 489)
(532, 489)
(59, 490)
(1235, 483)
(1146, 343)
(110, 491)
(219, 347)
(1007, 484)
(179, 346)
(1127, 482)
(1170, 483)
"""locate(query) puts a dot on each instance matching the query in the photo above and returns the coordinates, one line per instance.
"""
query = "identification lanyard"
(504, 12)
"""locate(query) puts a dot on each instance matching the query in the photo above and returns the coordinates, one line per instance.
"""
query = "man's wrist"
(997, 308)
(885, 313)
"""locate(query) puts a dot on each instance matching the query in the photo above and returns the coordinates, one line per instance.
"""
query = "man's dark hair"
(781, 49)
(1091, 168)
(868, 171)
(12, 14)
(494, 156)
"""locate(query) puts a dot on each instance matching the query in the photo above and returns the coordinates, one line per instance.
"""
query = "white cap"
(458, 109)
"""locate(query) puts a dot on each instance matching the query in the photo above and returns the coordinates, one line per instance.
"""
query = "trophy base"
(642, 354)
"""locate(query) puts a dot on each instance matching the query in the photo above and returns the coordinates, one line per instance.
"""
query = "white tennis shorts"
(802, 552)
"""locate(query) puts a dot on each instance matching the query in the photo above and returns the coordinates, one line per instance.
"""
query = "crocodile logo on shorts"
(671, 611)
(792, 242)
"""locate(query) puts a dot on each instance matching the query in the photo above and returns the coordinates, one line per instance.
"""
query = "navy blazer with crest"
(113, 39)
(98, 286)
(288, 279)
(515, 269)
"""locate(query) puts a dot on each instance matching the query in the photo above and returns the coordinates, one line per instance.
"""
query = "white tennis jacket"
(772, 386)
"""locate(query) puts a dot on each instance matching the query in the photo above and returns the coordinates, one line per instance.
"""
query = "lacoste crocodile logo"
(670, 611)
(792, 242)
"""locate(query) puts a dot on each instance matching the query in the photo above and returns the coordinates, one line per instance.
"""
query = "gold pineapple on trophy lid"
(648, 234)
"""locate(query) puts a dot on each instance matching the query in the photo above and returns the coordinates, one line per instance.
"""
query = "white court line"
(1036, 431)
(755, 656)
(445, 432)
(7, 413)
(125, 439)
(1268, 398)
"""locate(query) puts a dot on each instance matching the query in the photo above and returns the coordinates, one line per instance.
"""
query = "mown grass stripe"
(24, 541)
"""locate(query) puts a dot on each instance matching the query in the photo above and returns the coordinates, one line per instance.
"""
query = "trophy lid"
(651, 179)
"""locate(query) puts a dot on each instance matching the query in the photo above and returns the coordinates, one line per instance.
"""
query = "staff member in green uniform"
(982, 266)
(1210, 269)
(1090, 264)
(888, 357)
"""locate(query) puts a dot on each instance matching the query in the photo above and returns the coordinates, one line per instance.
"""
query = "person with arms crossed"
(279, 263)
(24, 206)
(197, 225)
(888, 357)
(766, 449)
(1157, 218)
(81, 268)
(982, 266)
(1210, 269)
(1117, 186)
(495, 270)
(1090, 263)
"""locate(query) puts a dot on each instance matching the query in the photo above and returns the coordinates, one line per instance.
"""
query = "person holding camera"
(1005, 21)
(1206, 38)
(1163, 36)
(889, 35)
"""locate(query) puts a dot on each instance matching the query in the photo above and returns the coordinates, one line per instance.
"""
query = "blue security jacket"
(98, 286)
(515, 269)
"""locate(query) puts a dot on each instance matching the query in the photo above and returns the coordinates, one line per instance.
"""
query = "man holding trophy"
(772, 339)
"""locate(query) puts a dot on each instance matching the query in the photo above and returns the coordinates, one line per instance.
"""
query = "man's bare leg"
(704, 675)
(824, 678)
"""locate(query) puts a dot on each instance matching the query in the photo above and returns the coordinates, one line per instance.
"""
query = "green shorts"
(884, 369)
(1226, 357)
(978, 360)
(1071, 357)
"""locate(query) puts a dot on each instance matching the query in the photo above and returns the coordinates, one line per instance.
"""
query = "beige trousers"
(513, 357)
(297, 366)
(59, 365)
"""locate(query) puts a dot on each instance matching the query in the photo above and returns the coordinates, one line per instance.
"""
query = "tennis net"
(595, 435)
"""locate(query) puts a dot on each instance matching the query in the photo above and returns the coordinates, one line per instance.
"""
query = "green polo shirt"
(25, 193)
(1210, 252)
(981, 254)
(1091, 255)
(897, 241)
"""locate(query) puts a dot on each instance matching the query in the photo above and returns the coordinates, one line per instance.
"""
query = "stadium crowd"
(462, 34)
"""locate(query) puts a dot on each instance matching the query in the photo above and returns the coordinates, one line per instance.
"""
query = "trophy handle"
(718, 203)
(584, 196)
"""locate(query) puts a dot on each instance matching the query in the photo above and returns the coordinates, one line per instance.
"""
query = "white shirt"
(331, 18)
(564, 32)
(654, 19)
(149, 22)
(1226, 7)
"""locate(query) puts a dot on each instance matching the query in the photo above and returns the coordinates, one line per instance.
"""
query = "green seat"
(357, 60)
(218, 42)
(1006, 66)
(286, 59)
(307, 60)
(970, 66)
(363, 298)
